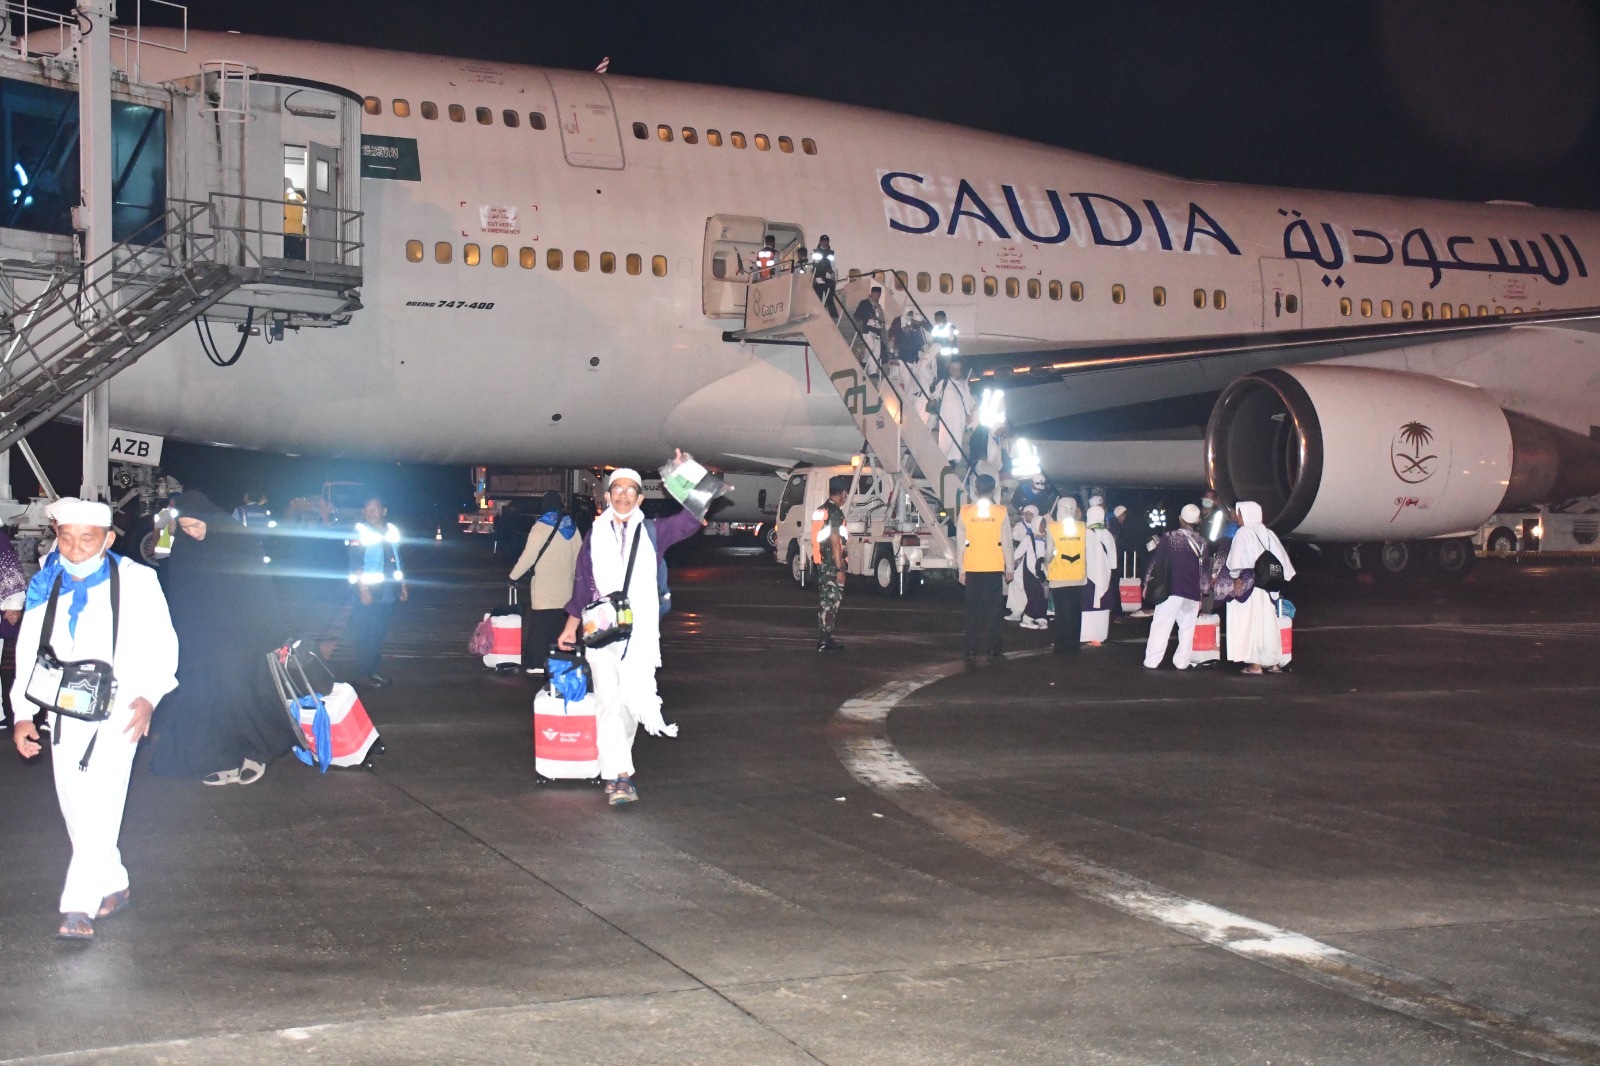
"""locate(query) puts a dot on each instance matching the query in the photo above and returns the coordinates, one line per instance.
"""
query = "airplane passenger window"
(1291, 304)
(1466, 311)
(1055, 290)
(1427, 310)
(1035, 290)
(372, 105)
(719, 266)
(855, 273)
(1076, 291)
(664, 133)
(1405, 308)
(968, 285)
(485, 116)
(1158, 296)
(470, 255)
(635, 264)
(511, 118)
(1118, 293)
(991, 286)
(413, 251)
(947, 284)
(786, 145)
(1200, 298)
(499, 255)
(1482, 311)
(1516, 310)
(808, 146)
(552, 258)
(442, 252)
(714, 138)
(641, 131)
(1447, 311)
(401, 108)
(736, 139)
(900, 276)
(1219, 300)
(1344, 306)
(1013, 288)
(1366, 307)
(580, 260)
(536, 119)
(608, 263)
(690, 136)
(458, 113)
(924, 281)
(430, 110)
(658, 265)
(1387, 308)
(1499, 310)
(762, 143)
(526, 258)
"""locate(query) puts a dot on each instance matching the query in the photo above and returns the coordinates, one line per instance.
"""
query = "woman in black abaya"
(224, 723)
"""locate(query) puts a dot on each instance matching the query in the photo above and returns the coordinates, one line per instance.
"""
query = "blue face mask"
(84, 569)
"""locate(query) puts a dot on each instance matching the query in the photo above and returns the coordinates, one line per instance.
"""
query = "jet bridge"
(235, 196)
(888, 402)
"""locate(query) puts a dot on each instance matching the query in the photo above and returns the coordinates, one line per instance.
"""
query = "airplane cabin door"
(588, 119)
(1280, 294)
(322, 203)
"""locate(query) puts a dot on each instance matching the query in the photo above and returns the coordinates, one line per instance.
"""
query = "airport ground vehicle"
(887, 540)
(338, 504)
(1573, 526)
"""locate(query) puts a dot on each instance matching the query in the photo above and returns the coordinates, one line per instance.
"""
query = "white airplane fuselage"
(450, 362)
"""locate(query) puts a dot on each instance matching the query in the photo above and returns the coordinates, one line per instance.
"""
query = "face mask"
(85, 568)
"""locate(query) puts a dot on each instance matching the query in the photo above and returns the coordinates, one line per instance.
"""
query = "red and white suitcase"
(352, 738)
(505, 654)
(1207, 634)
(1286, 633)
(1130, 590)
(564, 743)
(351, 732)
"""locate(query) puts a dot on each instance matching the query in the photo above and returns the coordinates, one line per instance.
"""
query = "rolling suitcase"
(565, 747)
(1130, 590)
(1206, 647)
(332, 727)
(504, 654)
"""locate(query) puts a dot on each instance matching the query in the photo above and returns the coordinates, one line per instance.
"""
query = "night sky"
(1460, 99)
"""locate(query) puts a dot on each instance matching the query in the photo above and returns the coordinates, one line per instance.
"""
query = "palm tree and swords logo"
(1405, 454)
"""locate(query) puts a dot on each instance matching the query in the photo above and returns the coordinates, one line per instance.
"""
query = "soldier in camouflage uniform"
(827, 552)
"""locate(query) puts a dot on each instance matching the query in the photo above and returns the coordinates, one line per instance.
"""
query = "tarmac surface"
(1388, 856)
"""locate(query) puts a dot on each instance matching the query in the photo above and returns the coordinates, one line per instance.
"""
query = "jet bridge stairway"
(887, 406)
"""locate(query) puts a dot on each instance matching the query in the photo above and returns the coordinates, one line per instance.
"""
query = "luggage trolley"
(337, 713)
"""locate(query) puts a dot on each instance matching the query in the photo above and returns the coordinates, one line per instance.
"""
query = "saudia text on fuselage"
(919, 204)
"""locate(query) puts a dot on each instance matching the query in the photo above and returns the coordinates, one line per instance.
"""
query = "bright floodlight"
(992, 408)
(1025, 459)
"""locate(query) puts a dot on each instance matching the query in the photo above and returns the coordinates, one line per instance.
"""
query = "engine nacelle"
(1350, 453)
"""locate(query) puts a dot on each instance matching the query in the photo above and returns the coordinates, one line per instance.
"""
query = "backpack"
(1269, 571)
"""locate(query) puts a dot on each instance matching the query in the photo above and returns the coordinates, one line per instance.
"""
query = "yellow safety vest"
(1068, 563)
(821, 532)
(983, 552)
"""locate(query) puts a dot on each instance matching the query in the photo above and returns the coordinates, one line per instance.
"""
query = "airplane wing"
(1163, 383)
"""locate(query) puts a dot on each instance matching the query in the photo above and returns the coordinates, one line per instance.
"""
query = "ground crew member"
(1067, 573)
(379, 582)
(824, 275)
(767, 259)
(294, 221)
(828, 536)
(944, 335)
(984, 535)
(92, 760)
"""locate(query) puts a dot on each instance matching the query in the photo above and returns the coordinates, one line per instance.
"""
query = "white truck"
(888, 541)
(1573, 526)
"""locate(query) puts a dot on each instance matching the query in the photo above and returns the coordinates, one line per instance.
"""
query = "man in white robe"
(1100, 557)
(1252, 633)
(92, 760)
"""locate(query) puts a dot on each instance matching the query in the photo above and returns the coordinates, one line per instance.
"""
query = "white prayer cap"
(1119, 510)
(1096, 500)
(1190, 513)
(71, 511)
(1031, 509)
(624, 473)
(1097, 515)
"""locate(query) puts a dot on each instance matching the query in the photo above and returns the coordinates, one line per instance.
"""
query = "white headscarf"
(1066, 513)
(1252, 539)
(1100, 548)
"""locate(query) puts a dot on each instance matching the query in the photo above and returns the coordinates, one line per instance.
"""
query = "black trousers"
(1067, 625)
(369, 625)
(986, 607)
(539, 632)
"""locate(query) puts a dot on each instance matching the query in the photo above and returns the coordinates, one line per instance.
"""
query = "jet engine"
(1347, 453)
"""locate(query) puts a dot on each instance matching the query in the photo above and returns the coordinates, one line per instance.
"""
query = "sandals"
(75, 925)
(117, 901)
(251, 772)
(621, 791)
(1252, 670)
(221, 777)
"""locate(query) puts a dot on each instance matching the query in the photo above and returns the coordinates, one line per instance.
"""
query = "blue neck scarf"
(39, 588)
(562, 522)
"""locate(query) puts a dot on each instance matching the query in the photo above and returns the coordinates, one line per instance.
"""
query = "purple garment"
(669, 531)
(1183, 552)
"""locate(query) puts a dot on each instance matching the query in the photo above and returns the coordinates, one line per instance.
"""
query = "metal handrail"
(251, 239)
(25, 17)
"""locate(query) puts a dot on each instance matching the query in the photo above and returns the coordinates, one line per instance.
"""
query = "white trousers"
(1173, 609)
(626, 691)
(91, 805)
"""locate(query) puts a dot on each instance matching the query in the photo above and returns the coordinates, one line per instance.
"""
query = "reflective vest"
(1068, 563)
(766, 259)
(983, 551)
(375, 555)
(821, 531)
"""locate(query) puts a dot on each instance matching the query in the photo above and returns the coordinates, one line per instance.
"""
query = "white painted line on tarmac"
(860, 736)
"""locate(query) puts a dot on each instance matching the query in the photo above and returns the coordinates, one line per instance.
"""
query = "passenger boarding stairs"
(889, 407)
(59, 344)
